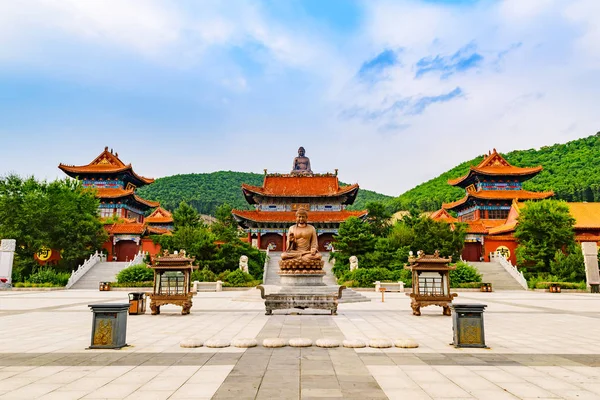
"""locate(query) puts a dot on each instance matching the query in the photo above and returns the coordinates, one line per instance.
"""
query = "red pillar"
(284, 247)
(250, 237)
(258, 240)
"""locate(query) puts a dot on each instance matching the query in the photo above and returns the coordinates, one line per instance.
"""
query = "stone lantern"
(430, 282)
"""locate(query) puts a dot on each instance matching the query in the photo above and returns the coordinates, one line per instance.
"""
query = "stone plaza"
(541, 345)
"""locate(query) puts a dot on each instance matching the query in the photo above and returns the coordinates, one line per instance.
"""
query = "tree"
(430, 235)
(568, 267)
(226, 227)
(378, 218)
(185, 215)
(543, 228)
(61, 215)
(354, 238)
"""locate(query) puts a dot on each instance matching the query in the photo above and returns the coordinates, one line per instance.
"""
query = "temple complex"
(115, 183)
(281, 195)
(491, 188)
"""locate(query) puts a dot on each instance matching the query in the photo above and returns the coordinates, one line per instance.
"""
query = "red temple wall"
(491, 244)
(148, 246)
(107, 247)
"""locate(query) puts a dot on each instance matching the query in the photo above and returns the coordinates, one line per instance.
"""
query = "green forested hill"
(571, 170)
(206, 192)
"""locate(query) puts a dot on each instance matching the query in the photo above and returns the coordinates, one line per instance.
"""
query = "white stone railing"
(389, 286)
(138, 259)
(511, 269)
(207, 286)
(85, 267)
(264, 279)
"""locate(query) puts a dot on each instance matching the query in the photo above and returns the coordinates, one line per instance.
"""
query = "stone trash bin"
(467, 325)
(109, 326)
(137, 303)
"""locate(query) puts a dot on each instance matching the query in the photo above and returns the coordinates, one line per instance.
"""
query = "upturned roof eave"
(524, 173)
(75, 171)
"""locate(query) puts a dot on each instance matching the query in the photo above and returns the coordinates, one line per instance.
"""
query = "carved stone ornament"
(8, 245)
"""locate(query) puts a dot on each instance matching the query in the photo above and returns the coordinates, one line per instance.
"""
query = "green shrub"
(563, 285)
(534, 279)
(35, 285)
(404, 275)
(135, 273)
(464, 273)
(48, 275)
(569, 267)
(247, 284)
(204, 275)
(470, 285)
(238, 278)
(132, 284)
(365, 277)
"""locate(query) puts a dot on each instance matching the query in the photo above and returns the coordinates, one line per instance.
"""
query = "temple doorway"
(325, 242)
(125, 250)
(472, 251)
(272, 241)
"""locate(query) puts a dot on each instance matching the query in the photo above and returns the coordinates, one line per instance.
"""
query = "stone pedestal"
(7, 256)
(302, 279)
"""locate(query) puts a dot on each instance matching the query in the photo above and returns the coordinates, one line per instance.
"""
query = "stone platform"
(302, 297)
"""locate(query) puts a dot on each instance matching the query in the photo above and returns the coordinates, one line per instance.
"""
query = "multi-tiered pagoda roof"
(106, 164)
(114, 181)
(300, 186)
(282, 195)
(287, 191)
(494, 180)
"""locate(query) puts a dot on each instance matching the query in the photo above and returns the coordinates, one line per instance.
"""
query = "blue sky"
(392, 93)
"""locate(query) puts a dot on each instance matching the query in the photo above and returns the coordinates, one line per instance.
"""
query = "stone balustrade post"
(7, 257)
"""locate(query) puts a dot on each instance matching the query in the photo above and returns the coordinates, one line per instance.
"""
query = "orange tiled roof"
(495, 165)
(483, 226)
(106, 162)
(149, 203)
(442, 215)
(116, 193)
(160, 216)
(504, 228)
(587, 215)
(125, 228)
(112, 193)
(290, 216)
(476, 227)
(157, 231)
(300, 186)
(500, 195)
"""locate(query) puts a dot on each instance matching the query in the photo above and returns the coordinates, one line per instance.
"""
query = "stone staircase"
(101, 272)
(273, 283)
(495, 273)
